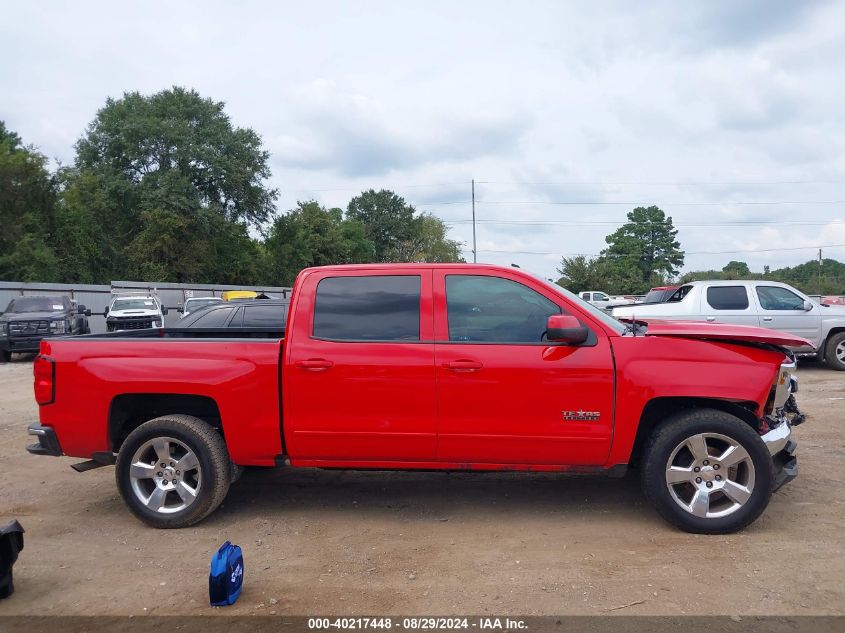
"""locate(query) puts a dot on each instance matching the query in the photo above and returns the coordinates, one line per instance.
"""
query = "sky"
(730, 116)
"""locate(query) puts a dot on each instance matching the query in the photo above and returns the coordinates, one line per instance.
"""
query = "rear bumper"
(47, 444)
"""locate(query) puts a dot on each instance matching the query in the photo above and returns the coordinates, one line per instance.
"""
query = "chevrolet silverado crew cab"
(27, 320)
(435, 367)
(769, 304)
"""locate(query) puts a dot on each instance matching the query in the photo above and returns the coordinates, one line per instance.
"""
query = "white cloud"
(640, 103)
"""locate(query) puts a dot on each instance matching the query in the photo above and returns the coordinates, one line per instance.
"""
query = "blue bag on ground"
(227, 575)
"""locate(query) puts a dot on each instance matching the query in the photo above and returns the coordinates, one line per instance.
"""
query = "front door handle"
(314, 364)
(767, 318)
(711, 319)
(463, 364)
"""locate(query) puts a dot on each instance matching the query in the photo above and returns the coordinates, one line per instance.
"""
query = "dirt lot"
(390, 543)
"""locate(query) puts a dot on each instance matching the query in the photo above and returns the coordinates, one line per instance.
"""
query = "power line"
(760, 250)
(667, 204)
(675, 224)
(662, 183)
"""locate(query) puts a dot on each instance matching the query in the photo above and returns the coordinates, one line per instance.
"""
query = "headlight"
(785, 383)
(156, 323)
(59, 327)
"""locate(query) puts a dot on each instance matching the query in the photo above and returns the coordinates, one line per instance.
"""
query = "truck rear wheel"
(173, 471)
(834, 351)
(707, 472)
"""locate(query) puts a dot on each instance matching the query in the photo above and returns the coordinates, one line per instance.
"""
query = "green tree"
(311, 235)
(428, 242)
(397, 233)
(170, 179)
(579, 273)
(735, 270)
(647, 243)
(387, 220)
(27, 211)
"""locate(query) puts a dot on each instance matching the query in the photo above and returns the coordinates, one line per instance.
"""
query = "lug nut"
(706, 462)
(163, 465)
(177, 472)
(698, 480)
(709, 484)
(696, 469)
(716, 467)
(158, 474)
(165, 482)
(172, 464)
(718, 478)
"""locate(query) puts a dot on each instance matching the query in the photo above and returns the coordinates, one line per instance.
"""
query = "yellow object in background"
(228, 295)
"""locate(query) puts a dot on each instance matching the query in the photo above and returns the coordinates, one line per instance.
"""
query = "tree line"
(644, 253)
(166, 188)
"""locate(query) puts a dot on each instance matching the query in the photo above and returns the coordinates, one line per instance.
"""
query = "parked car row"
(28, 320)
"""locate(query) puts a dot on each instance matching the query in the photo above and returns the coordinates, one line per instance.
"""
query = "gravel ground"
(323, 542)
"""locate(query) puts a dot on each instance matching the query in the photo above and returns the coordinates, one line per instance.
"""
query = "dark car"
(257, 315)
(27, 320)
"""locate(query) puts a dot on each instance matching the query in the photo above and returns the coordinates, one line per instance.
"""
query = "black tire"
(830, 351)
(5, 356)
(212, 477)
(671, 434)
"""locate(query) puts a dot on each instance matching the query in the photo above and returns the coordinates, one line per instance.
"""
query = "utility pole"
(474, 251)
(820, 272)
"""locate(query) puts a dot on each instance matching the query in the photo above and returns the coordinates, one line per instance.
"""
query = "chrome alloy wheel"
(840, 352)
(710, 475)
(165, 475)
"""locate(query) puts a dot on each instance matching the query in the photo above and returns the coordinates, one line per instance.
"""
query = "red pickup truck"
(430, 366)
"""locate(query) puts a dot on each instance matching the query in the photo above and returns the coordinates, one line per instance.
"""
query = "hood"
(131, 313)
(837, 309)
(723, 332)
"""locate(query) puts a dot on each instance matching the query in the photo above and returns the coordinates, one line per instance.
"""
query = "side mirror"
(164, 309)
(105, 311)
(807, 306)
(180, 309)
(565, 328)
(81, 309)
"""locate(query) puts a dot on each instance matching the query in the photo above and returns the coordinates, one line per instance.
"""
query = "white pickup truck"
(603, 300)
(761, 303)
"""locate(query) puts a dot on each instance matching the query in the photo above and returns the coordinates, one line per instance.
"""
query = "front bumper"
(782, 449)
(47, 444)
(20, 344)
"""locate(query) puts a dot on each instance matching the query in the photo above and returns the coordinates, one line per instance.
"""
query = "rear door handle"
(767, 318)
(463, 364)
(711, 318)
(314, 364)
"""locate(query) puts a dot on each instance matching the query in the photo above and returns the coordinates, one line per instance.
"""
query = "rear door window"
(727, 297)
(368, 308)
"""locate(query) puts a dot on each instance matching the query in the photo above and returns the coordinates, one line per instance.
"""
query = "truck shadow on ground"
(430, 496)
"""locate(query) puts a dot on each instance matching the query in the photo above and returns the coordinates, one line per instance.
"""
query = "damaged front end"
(782, 414)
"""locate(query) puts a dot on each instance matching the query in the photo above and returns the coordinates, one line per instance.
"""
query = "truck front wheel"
(834, 351)
(173, 471)
(707, 472)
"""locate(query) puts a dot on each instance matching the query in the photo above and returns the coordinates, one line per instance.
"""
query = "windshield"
(599, 314)
(134, 304)
(195, 304)
(36, 304)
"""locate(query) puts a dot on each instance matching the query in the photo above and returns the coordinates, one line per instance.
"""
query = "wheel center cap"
(707, 473)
